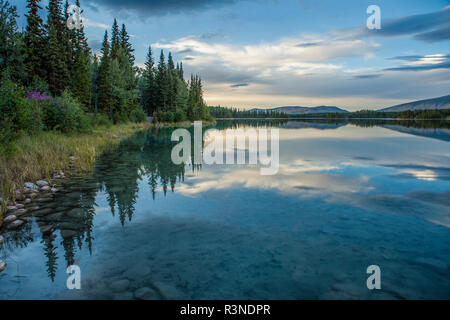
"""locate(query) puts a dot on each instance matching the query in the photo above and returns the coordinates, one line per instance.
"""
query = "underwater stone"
(15, 224)
(2, 240)
(10, 219)
(2, 265)
(145, 294)
(120, 285)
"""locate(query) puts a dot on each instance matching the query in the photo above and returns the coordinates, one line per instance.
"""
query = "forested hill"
(440, 103)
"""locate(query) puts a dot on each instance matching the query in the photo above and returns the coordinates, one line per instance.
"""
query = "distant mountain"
(293, 110)
(429, 104)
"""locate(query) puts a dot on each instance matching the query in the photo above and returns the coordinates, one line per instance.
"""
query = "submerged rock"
(15, 224)
(145, 294)
(167, 291)
(2, 265)
(10, 219)
(19, 206)
(46, 229)
(2, 240)
(120, 285)
(45, 188)
(20, 212)
(11, 208)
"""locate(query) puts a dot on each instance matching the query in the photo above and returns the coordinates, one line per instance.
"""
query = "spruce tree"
(125, 43)
(149, 93)
(104, 82)
(35, 43)
(57, 71)
(162, 86)
(114, 40)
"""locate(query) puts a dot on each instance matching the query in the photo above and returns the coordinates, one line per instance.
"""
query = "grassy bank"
(40, 156)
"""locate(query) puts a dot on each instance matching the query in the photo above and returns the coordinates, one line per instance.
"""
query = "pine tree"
(149, 93)
(162, 85)
(104, 82)
(125, 43)
(57, 72)
(35, 43)
(79, 59)
(114, 40)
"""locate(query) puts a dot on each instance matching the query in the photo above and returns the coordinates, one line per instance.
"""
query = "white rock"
(10, 219)
(2, 240)
(145, 294)
(19, 206)
(30, 186)
(42, 183)
(2, 265)
(45, 188)
(27, 201)
(54, 190)
(11, 208)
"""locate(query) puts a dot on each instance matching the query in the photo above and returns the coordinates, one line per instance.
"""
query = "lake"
(347, 195)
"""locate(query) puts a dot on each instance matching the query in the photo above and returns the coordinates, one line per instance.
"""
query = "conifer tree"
(57, 72)
(114, 40)
(125, 43)
(149, 93)
(35, 43)
(104, 82)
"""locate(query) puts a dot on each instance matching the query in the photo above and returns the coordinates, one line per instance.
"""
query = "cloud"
(367, 76)
(159, 7)
(434, 36)
(422, 63)
(90, 23)
(237, 85)
(429, 27)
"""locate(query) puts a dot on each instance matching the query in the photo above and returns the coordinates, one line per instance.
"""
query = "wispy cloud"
(158, 7)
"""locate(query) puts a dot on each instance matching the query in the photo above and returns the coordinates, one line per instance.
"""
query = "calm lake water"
(347, 196)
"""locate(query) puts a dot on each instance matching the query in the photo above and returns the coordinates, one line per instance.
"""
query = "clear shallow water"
(347, 196)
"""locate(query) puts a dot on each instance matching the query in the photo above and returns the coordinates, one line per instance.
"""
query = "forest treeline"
(234, 113)
(51, 79)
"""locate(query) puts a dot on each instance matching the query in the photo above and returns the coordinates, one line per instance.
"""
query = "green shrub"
(180, 116)
(138, 115)
(101, 119)
(169, 116)
(65, 114)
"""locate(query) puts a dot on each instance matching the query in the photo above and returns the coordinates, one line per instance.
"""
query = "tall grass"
(40, 156)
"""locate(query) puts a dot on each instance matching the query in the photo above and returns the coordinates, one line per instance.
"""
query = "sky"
(269, 53)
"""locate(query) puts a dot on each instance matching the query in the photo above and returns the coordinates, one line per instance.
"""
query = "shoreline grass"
(40, 156)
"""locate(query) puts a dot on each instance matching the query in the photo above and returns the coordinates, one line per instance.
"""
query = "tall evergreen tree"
(125, 43)
(162, 85)
(57, 71)
(11, 42)
(104, 81)
(35, 43)
(149, 89)
(115, 42)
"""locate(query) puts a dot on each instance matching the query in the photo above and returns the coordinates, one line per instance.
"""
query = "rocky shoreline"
(18, 211)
